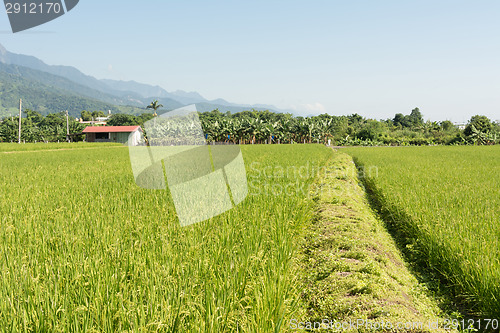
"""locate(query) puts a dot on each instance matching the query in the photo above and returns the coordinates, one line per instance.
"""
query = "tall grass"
(83, 249)
(447, 200)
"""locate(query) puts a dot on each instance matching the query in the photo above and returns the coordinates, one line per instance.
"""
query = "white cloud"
(316, 107)
(307, 109)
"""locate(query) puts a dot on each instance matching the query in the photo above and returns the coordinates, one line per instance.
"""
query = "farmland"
(443, 204)
(83, 248)
(31, 147)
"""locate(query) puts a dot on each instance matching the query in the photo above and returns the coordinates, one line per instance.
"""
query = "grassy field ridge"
(352, 269)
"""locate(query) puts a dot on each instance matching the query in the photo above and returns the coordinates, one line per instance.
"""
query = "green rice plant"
(84, 249)
(15, 147)
(445, 201)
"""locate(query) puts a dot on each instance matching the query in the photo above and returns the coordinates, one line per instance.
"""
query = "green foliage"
(144, 117)
(155, 106)
(446, 125)
(97, 114)
(415, 118)
(400, 120)
(37, 128)
(128, 120)
(372, 130)
(265, 127)
(481, 131)
(86, 115)
(122, 120)
(481, 123)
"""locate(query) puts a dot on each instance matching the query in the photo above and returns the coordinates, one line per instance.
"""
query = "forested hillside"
(46, 99)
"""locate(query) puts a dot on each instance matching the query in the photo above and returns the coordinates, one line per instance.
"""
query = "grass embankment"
(352, 269)
(443, 204)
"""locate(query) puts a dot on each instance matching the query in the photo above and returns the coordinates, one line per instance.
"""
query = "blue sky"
(375, 58)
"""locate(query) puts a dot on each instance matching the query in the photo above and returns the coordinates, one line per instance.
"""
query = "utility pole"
(67, 126)
(20, 115)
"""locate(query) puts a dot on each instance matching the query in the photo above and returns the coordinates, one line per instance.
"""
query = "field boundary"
(351, 267)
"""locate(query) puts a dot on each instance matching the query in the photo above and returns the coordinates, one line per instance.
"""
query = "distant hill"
(47, 99)
(67, 72)
(61, 83)
(70, 86)
(70, 81)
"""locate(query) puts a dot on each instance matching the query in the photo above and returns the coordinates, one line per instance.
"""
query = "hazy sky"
(376, 58)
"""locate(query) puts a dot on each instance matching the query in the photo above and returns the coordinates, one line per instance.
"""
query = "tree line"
(268, 127)
(264, 126)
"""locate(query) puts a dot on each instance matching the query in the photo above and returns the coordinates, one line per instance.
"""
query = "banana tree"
(155, 106)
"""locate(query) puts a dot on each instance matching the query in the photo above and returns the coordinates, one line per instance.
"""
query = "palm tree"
(155, 106)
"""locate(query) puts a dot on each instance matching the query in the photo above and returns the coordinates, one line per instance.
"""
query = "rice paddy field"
(14, 147)
(446, 203)
(83, 249)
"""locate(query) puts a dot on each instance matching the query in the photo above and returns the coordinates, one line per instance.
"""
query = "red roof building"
(119, 134)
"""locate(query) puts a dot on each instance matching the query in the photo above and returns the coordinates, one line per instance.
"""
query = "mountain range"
(49, 89)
